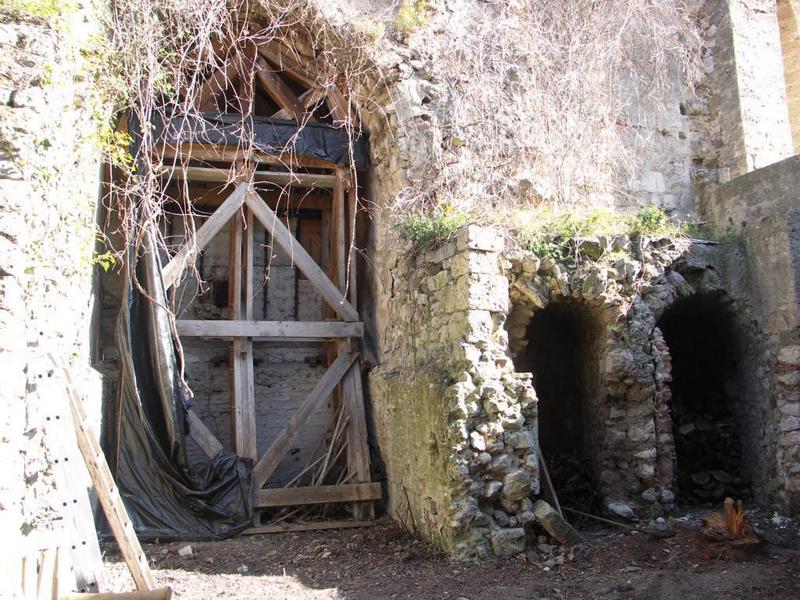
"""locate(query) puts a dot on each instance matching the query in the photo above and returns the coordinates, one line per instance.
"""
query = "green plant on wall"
(427, 232)
(554, 234)
(412, 15)
(37, 9)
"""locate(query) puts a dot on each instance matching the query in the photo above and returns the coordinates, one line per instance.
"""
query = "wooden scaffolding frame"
(335, 187)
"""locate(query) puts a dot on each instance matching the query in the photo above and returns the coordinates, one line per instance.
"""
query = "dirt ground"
(385, 562)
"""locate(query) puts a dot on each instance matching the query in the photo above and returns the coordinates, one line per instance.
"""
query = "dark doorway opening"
(562, 355)
(706, 386)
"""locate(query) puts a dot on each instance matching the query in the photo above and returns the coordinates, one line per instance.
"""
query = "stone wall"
(764, 208)
(746, 88)
(455, 425)
(456, 420)
(48, 195)
(788, 12)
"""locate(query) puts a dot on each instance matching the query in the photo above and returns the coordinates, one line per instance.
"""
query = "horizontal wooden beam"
(211, 174)
(271, 329)
(221, 153)
(310, 526)
(294, 496)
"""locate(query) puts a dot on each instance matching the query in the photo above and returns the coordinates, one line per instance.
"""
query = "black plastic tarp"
(273, 136)
(166, 498)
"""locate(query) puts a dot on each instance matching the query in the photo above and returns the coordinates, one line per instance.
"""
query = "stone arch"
(707, 381)
(558, 336)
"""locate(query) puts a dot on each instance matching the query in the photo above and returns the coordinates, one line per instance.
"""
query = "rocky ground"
(385, 562)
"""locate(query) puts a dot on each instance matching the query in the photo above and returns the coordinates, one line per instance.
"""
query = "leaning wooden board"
(108, 493)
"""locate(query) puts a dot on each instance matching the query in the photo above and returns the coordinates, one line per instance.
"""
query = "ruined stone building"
(667, 376)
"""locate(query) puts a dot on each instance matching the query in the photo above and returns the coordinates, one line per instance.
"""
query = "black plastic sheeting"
(268, 135)
(167, 499)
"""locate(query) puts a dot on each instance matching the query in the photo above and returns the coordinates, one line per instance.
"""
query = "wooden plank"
(201, 197)
(202, 236)
(201, 434)
(237, 368)
(302, 74)
(108, 493)
(311, 330)
(280, 92)
(339, 235)
(357, 442)
(339, 106)
(47, 572)
(312, 526)
(71, 484)
(309, 99)
(301, 258)
(322, 494)
(221, 153)
(281, 445)
(352, 255)
(249, 250)
(215, 175)
(245, 345)
(215, 85)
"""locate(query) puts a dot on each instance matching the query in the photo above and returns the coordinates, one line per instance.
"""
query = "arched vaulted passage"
(707, 399)
(562, 353)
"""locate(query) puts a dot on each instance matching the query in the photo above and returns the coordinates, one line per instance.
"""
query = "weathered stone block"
(508, 542)
(475, 237)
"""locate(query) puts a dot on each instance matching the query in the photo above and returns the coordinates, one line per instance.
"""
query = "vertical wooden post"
(235, 312)
(242, 375)
(357, 442)
(249, 396)
(339, 236)
(352, 212)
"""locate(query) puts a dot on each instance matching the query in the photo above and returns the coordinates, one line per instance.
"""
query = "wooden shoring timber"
(321, 494)
(181, 153)
(330, 292)
(213, 196)
(108, 493)
(339, 227)
(280, 446)
(246, 342)
(216, 84)
(215, 175)
(267, 330)
(309, 99)
(357, 442)
(303, 74)
(71, 479)
(202, 236)
(338, 105)
(352, 209)
(201, 434)
(308, 526)
(242, 388)
(280, 92)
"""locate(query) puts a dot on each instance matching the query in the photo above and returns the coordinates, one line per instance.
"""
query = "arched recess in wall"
(561, 349)
(260, 177)
(709, 397)
(788, 14)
